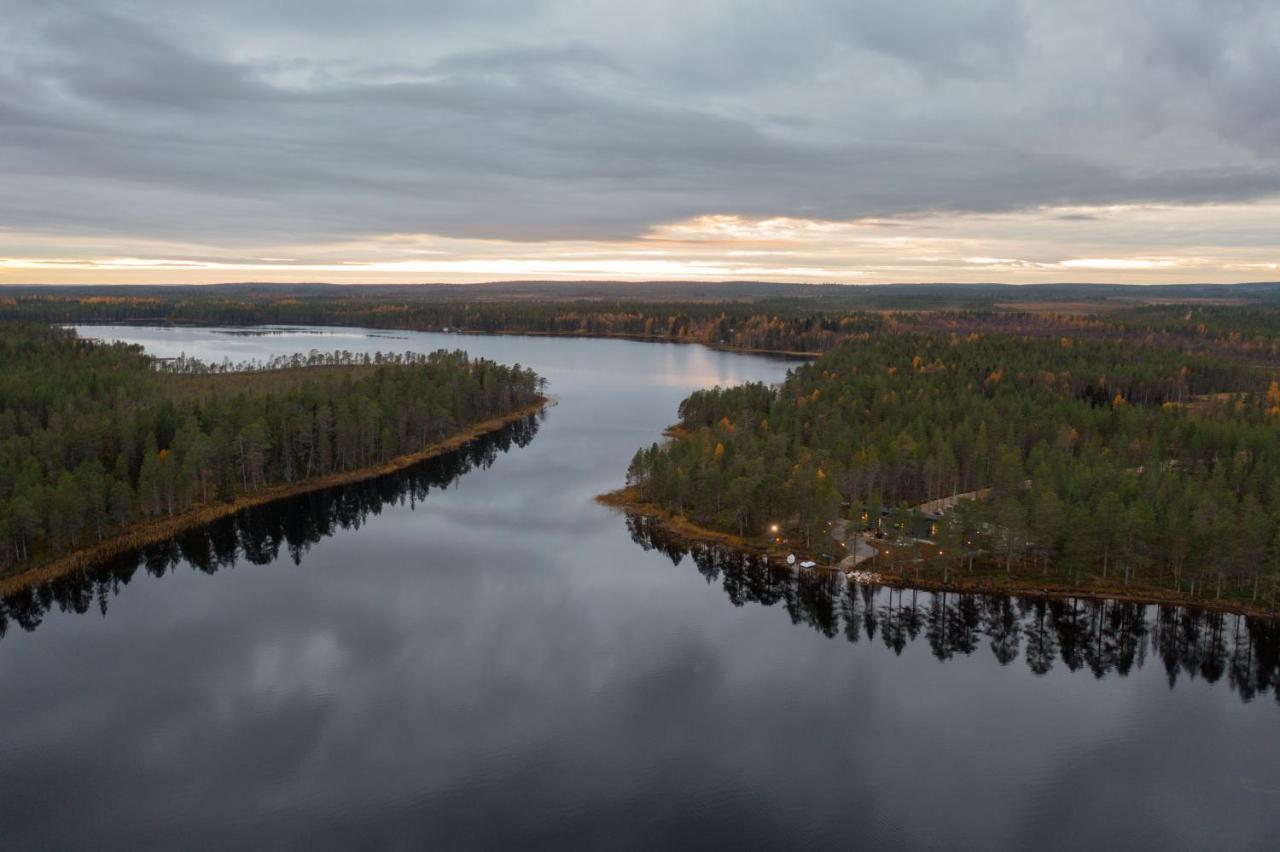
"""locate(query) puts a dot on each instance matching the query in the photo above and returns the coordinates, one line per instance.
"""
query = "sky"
(175, 141)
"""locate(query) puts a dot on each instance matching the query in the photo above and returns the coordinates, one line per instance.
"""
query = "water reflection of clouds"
(308, 664)
(505, 666)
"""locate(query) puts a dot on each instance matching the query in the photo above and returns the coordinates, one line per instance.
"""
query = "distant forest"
(1129, 462)
(1240, 321)
(97, 437)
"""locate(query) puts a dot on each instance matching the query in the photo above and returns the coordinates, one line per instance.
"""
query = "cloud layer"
(235, 127)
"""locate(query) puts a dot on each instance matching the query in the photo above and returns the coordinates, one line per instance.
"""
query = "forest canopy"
(1087, 458)
(96, 437)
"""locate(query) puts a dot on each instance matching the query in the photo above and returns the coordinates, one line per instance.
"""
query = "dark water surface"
(474, 654)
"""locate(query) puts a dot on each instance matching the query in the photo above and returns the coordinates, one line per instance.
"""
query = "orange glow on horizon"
(1135, 244)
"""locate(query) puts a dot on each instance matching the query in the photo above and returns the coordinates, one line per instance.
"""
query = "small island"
(993, 462)
(104, 448)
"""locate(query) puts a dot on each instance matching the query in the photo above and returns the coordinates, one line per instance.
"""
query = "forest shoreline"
(637, 338)
(626, 501)
(153, 532)
(653, 338)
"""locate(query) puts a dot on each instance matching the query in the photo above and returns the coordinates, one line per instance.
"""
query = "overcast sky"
(832, 140)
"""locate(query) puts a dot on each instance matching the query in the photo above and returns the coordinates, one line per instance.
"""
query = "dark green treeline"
(260, 534)
(782, 318)
(1133, 462)
(95, 437)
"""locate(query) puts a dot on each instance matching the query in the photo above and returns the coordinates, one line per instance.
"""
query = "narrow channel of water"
(473, 653)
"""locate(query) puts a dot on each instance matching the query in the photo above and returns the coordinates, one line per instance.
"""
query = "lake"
(473, 653)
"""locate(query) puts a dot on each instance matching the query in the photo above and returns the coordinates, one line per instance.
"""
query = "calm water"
(474, 654)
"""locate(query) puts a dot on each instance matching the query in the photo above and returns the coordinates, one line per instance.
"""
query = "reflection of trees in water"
(257, 534)
(1100, 636)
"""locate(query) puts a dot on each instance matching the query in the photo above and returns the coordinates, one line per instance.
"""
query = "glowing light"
(1119, 263)
(1115, 243)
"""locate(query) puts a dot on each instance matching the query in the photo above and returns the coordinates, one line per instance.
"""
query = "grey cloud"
(327, 120)
(522, 60)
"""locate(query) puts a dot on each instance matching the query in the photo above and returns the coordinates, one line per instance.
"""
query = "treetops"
(1093, 451)
(96, 436)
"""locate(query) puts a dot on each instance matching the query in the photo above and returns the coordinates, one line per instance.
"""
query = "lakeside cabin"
(923, 524)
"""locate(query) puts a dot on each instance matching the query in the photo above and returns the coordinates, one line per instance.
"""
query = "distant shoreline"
(625, 500)
(638, 338)
(153, 532)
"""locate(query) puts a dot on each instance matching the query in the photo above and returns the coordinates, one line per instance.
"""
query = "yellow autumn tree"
(1273, 399)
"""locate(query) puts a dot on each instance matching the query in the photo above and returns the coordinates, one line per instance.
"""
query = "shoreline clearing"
(625, 500)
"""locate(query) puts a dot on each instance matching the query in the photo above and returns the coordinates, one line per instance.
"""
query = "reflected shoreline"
(155, 532)
(1103, 635)
(625, 502)
(257, 532)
